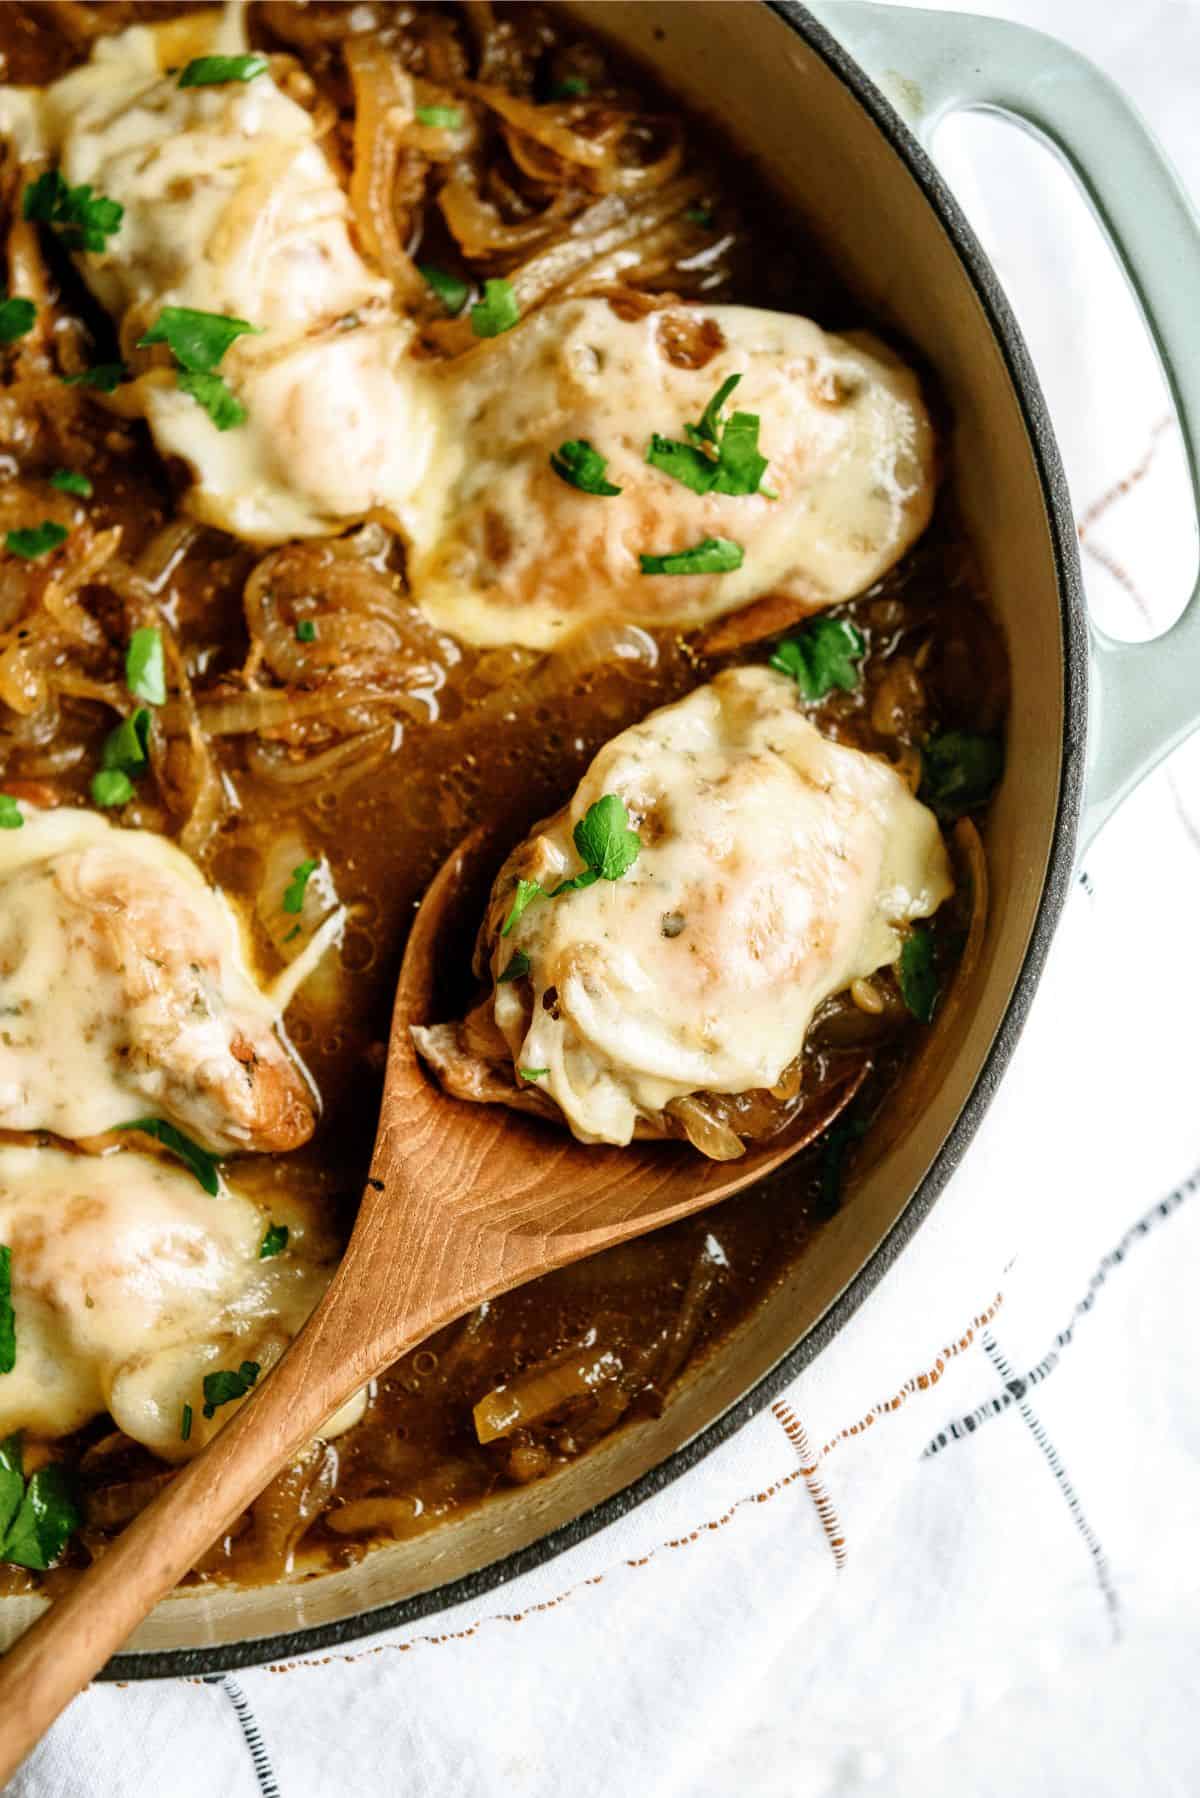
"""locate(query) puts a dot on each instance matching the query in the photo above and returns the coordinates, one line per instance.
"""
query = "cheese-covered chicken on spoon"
(669, 468)
(669, 935)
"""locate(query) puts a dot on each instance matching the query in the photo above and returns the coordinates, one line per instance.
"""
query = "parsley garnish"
(110, 787)
(571, 87)
(577, 463)
(185, 1423)
(8, 1320)
(497, 311)
(306, 631)
(16, 318)
(37, 1516)
(274, 1242)
(210, 391)
(516, 968)
(145, 668)
(198, 1161)
(699, 215)
(959, 771)
(441, 118)
(127, 748)
(292, 934)
(527, 892)
(197, 340)
(214, 71)
(720, 456)
(450, 289)
(222, 1387)
(10, 813)
(606, 845)
(106, 377)
(68, 481)
(822, 656)
(83, 220)
(715, 555)
(533, 1073)
(918, 976)
(36, 542)
(837, 1142)
(293, 898)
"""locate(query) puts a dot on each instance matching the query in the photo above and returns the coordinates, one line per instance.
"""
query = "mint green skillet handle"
(1145, 697)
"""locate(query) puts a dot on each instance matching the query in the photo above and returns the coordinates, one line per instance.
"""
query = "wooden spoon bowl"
(462, 1202)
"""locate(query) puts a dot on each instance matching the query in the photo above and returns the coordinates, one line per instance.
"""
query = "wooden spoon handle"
(58, 1655)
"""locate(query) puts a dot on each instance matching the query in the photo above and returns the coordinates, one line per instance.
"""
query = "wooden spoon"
(463, 1202)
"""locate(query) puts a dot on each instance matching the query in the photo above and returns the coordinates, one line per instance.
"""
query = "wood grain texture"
(462, 1202)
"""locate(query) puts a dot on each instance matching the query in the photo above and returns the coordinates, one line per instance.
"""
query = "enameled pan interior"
(795, 116)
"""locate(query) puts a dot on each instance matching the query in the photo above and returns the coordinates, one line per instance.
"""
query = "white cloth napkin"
(959, 1557)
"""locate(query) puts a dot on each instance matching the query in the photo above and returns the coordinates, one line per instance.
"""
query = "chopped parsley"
(127, 748)
(274, 1242)
(145, 667)
(527, 892)
(292, 934)
(185, 1424)
(67, 480)
(721, 456)
(516, 968)
(111, 787)
(306, 631)
(605, 844)
(8, 1321)
(198, 1161)
(222, 1387)
(106, 377)
(215, 71)
(959, 771)
(39, 541)
(571, 87)
(440, 118)
(197, 340)
(36, 1516)
(10, 813)
(16, 318)
(83, 220)
(450, 289)
(823, 655)
(837, 1141)
(715, 555)
(699, 215)
(293, 897)
(577, 463)
(918, 975)
(497, 311)
(533, 1073)
(218, 400)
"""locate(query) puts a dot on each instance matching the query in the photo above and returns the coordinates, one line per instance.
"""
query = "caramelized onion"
(385, 180)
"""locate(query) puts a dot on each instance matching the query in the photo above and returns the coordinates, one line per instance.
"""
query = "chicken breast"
(774, 869)
(231, 207)
(129, 1284)
(125, 991)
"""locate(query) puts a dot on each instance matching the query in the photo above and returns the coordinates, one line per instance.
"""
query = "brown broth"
(485, 753)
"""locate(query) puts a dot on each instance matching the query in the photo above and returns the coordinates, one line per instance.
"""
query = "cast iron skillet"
(932, 63)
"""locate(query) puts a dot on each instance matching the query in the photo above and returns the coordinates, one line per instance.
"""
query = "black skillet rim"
(193, 1662)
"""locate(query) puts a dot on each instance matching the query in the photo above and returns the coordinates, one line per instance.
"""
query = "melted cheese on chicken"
(232, 207)
(129, 1284)
(776, 868)
(125, 991)
(506, 551)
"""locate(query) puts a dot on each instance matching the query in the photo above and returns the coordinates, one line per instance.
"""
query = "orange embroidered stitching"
(830, 1523)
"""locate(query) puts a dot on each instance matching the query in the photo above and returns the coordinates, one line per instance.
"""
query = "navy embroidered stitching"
(263, 1770)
